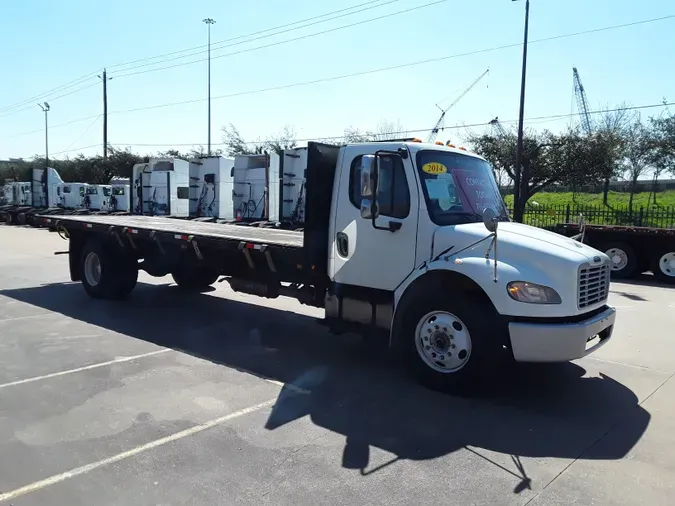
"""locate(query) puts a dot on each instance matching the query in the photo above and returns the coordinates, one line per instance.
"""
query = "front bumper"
(560, 342)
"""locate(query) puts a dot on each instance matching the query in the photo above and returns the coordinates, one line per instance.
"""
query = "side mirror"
(490, 219)
(368, 186)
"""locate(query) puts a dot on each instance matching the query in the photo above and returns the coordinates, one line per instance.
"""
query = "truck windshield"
(458, 187)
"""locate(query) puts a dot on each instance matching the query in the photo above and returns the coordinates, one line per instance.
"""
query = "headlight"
(532, 293)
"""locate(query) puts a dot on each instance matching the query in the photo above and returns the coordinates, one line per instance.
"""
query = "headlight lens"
(532, 293)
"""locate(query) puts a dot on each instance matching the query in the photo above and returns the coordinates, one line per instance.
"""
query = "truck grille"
(593, 285)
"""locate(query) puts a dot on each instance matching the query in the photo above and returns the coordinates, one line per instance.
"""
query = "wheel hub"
(667, 264)
(618, 257)
(92, 269)
(443, 341)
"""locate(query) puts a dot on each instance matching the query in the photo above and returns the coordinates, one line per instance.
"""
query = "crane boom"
(582, 103)
(496, 125)
(441, 120)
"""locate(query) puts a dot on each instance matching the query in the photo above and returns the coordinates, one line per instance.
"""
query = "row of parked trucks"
(265, 187)
(408, 240)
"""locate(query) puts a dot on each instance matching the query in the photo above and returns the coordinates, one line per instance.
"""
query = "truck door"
(363, 256)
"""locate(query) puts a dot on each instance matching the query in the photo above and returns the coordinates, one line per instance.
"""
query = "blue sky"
(46, 44)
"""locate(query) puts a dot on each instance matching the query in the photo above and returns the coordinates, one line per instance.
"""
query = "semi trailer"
(403, 239)
(632, 250)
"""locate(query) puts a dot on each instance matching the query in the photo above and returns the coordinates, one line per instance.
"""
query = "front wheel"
(453, 345)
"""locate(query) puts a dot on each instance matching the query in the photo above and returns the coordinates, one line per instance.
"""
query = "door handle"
(342, 244)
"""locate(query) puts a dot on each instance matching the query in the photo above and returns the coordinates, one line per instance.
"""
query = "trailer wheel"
(663, 266)
(451, 343)
(194, 279)
(104, 275)
(623, 261)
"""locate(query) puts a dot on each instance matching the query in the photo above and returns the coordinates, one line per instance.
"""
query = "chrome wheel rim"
(443, 342)
(92, 269)
(618, 258)
(667, 264)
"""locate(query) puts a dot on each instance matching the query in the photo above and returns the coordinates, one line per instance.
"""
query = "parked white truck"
(402, 237)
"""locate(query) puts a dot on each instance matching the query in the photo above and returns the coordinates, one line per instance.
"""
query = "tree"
(612, 126)
(385, 130)
(638, 151)
(548, 159)
(236, 145)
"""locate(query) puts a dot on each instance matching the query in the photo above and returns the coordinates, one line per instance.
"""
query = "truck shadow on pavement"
(536, 411)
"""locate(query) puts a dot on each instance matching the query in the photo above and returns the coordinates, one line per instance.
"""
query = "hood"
(524, 241)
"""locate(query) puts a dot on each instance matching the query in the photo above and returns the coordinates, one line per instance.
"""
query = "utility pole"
(521, 116)
(45, 108)
(209, 22)
(105, 80)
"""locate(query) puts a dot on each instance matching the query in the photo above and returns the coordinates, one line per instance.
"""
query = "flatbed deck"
(214, 231)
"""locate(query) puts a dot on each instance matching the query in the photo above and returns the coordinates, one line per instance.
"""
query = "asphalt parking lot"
(220, 398)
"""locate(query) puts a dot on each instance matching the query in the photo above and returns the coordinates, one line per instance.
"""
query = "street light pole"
(45, 108)
(519, 151)
(209, 22)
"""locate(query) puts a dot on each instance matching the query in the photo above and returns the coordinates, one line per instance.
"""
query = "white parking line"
(52, 480)
(25, 317)
(85, 368)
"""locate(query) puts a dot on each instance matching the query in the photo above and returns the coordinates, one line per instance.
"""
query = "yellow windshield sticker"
(434, 168)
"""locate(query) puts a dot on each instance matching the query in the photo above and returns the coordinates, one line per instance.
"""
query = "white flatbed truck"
(404, 238)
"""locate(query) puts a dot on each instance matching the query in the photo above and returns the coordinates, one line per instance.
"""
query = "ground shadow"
(643, 279)
(536, 411)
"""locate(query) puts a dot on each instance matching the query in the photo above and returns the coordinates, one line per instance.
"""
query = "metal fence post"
(642, 212)
(567, 214)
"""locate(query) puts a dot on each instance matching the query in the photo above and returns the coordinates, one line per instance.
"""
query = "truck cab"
(422, 244)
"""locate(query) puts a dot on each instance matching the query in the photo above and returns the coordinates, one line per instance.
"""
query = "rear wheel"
(195, 278)
(664, 266)
(622, 258)
(451, 344)
(106, 275)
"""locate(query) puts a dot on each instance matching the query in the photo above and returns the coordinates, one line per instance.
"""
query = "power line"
(83, 133)
(50, 100)
(366, 72)
(46, 94)
(75, 149)
(413, 131)
(93, 74)
(219, 45)
(389, 68)
(402, 132)
(286, 41)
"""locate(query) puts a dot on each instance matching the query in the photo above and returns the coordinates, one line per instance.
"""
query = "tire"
(623, 259)
(106, 275)
(663, 265)
(194, 279)
(468, 324)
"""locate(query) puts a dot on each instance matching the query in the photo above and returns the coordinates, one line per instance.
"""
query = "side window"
(183, 192)
(393, 190)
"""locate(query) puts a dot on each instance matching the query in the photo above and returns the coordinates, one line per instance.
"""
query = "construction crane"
(497, 127)
(582, 103)
(441, 120)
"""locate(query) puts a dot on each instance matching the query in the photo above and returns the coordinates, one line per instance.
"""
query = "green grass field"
(549, 209)
(615, 199)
